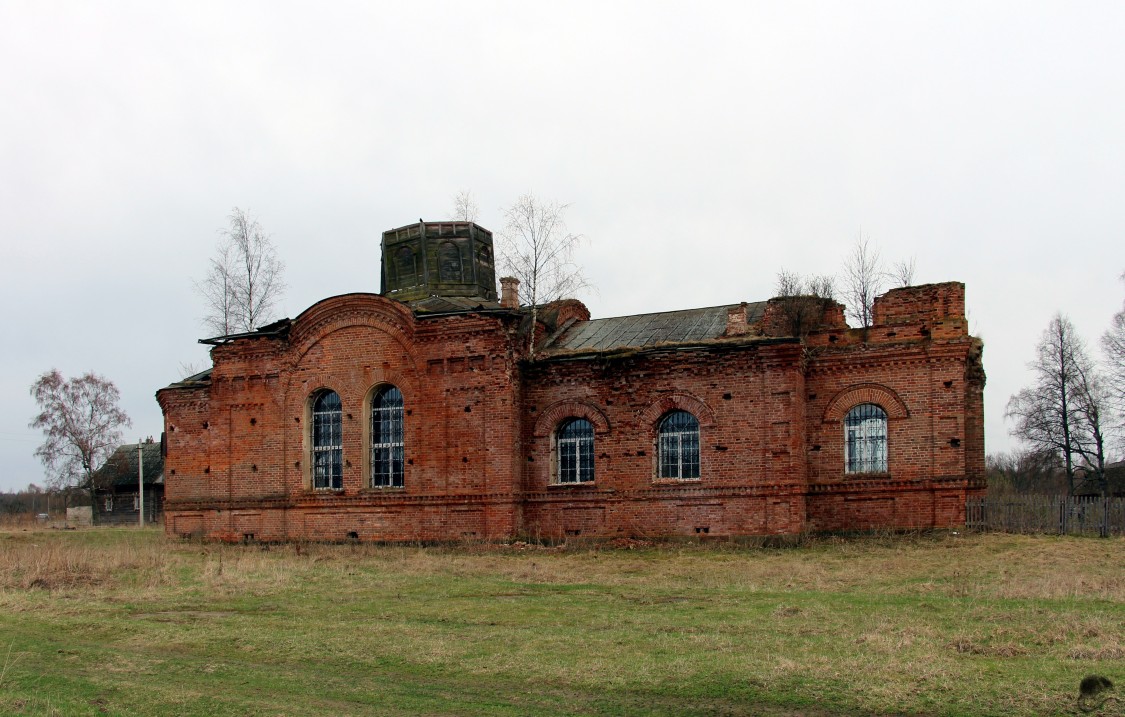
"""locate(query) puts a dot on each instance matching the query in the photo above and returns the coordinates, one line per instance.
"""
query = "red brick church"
(416, 414)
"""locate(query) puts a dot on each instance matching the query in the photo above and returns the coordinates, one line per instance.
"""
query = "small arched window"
(386, 438)
(678, 446)
(865, 439)
(574, 444)
(327, 442)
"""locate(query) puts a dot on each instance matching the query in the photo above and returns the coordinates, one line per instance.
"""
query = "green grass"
(121, 622)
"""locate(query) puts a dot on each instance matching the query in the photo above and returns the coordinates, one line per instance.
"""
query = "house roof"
(687, 326)
(121, 468)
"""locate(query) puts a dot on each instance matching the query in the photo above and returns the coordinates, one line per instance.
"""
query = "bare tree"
(244, 282)
(537, 249)
(803, 299)
(1113, 349)
(81, 424)
(465, 208)
(1064, 410)
(902, 273)
(862, 280)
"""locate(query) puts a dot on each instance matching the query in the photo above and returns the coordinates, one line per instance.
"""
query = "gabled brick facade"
(480, 420)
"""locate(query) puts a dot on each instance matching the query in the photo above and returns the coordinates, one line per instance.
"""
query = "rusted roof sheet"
(643, 330)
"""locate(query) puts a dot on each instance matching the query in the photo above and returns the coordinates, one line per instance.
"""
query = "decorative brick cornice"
(556, 412)
(875, 393)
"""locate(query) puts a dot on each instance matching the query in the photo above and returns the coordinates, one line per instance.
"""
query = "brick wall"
(480, 422)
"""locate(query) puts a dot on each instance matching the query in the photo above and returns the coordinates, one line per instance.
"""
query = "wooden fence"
(1061, 515)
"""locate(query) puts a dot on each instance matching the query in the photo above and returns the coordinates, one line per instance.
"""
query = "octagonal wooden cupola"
(452, 259)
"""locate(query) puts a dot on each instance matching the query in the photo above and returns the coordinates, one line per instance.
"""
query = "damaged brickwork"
(485, 449)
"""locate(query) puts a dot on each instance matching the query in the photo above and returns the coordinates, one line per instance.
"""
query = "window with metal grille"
(386, 438)
(865, 439)
(678, 446)
(327, 442)
(574, 442)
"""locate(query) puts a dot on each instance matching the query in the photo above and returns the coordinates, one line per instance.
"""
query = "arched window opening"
(574, 442)
(678, 446)
(386, 438)
(449, 262)
(865, 439)
(327, 442)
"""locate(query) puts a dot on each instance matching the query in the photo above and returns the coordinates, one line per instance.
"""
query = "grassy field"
(121, 622)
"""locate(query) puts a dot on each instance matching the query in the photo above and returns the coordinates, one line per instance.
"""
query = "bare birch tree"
(245, 280)
(902, 273)
(862, 280)
(1064, 410)
(81, 424)
(465, 208)
(537, 248)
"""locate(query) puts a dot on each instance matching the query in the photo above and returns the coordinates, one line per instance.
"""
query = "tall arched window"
(386, 438)
(574, 444)
(865, 439)
(327, 442)
(678, 446)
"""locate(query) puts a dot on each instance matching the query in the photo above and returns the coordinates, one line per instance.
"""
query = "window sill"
(867, 476)
(383, 489)
(578, 484)
(324, 491)
(675, 481)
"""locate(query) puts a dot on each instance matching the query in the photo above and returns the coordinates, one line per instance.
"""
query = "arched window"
(678, 446)
(449, 262)
(574, 443)
(865, 439)
(327, 442)
(386, 438)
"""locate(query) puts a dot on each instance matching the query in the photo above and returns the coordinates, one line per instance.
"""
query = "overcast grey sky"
(702, 146)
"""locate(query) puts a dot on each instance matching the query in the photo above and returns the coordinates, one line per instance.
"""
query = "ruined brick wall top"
(928, 303)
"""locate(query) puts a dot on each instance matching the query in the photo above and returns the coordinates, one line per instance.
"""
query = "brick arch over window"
(557, 412)
(852, 396)
(682, 402)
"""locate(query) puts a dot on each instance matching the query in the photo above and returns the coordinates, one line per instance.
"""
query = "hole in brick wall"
(816, 448)
(296, 419)
(247, 537)
(468, 409)
(348, 464)
(891, 334)
(955, 442)
(207, 469)
(832, 338)
(349, 416)
(640, 453)
(253, 421)
(186, 536)
(353, 535)
(464, 459)
(468, 534)
(726, 396)
(532, 409)
(409, 461)
(924, 331)
(172, 472)
(254, 467)
(206, 425)
(409, 412)
(609, 402)
(947, 384)
(531, 459)
(296, 464)
(812, 396)
(171, 429)
(720, 448)
(574, 533)
(703, 529)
